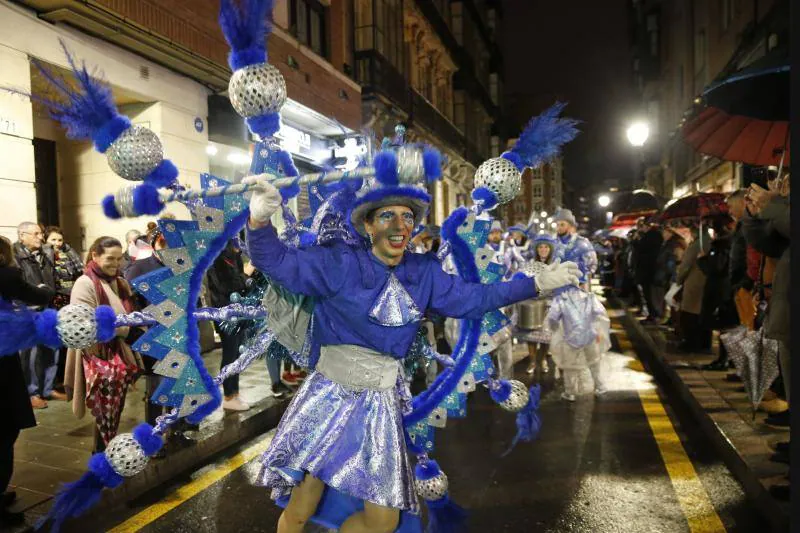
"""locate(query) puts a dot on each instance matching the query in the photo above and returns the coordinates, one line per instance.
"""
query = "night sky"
(577, 51)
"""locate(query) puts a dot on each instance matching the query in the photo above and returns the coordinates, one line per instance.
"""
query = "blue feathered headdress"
(245, 28)
(542, 138)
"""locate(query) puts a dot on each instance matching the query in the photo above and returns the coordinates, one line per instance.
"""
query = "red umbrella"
(692, 208)
(628, 220)
(738, 138)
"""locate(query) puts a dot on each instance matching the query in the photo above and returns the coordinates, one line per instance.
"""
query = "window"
(537, 191)
(308, 24)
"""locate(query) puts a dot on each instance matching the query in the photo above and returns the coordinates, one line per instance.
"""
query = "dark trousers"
(151, 410)
(657, 294)
(230, 352)
(7, 439)
(694, 334)
(40, 365)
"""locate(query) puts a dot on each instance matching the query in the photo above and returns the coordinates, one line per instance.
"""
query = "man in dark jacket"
(225, 277)
(40, 363)
(669, 256)
(646, 255)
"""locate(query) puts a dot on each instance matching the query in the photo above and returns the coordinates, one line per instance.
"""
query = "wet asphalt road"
(596, 467)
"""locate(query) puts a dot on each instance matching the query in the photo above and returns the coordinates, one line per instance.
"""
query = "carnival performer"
(531, 326)
(515, 252)
(578, 320)
(339, 455)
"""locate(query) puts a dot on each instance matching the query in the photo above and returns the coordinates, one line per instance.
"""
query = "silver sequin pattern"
(432, 489)
(135, 153)
(518, 397)
(125, 455)
(123, 201)
(257, 90)
(76, 326)
(410, 166)
(500, 176)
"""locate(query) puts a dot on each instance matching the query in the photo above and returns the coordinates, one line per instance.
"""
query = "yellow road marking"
(692, 496)
(157, 510)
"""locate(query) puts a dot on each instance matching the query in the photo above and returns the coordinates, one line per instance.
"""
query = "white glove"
(557, 275)
(263, 202)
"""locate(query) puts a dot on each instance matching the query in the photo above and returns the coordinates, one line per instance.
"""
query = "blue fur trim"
(46, 332)
(105, 317)
(249, 56)
(245, 28)
(109, 208)
(465, 262)
(445, 516)
(432, 162)
(146, 200)
(19, 330)
(528, 421)
(150, 443)
(514, 158)
(385, 192)
(110, 132)
(86, 109)
(502, 393)
(518, 275)
(413, 448)
(287, 163)
(484, 196)
(74, 499)
(264, 125)
(287, 193)
(426, 470)
(385, 163)
(164, 175)
(192, 331)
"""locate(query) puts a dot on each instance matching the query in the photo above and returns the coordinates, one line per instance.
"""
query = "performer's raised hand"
(558, 275)
(264, 201)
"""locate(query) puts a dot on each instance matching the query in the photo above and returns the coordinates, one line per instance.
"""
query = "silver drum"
(532, 314)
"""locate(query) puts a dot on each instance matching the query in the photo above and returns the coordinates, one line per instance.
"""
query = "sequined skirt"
(351, 440)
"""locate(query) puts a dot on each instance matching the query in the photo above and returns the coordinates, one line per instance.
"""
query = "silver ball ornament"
(500, 176)
(432, 489)
(257, 90)
(518, 397)
(135, 153)
(77, 326)
(125, 455)
(410, 166)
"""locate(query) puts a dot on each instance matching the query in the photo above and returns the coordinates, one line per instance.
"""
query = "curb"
(667, 375)
(215, 438)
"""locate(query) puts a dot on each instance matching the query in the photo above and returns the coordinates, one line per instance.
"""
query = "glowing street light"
(637, 133)
(543, 214)
(604, 200)
(212, 150)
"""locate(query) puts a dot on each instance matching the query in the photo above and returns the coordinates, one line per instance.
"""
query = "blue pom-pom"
(501, 393)
(146, 200)
(264, 125)
(100, 467)
(110, 132)
(426, 470)
(249, 56)
(514, 158)
(109, 208)
(46, 332)
(385, 163)
(163, 175)
(106, 318)
(432, 161)
(486, 197)
(150, 443)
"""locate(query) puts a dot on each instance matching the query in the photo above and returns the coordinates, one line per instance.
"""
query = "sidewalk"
(723, 412)
(57, 450)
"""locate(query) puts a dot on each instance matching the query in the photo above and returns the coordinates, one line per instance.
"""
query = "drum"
(532, 314)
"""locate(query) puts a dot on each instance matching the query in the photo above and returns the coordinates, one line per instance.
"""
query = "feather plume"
(542, 138)
(245, 28)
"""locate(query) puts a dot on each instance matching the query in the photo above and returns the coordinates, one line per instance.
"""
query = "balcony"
(427, 116)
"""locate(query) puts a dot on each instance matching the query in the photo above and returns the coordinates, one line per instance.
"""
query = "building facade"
(680, 48)
(434, 66)
(166, 61)
(542, 194)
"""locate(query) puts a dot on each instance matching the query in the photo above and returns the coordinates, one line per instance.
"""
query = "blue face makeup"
(387, 217)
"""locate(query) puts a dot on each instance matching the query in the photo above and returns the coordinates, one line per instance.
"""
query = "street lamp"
(604, 200)
(637, 133)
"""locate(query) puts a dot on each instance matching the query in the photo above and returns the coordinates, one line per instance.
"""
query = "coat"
(768, 233)
(692, 279)
(669, 256)
(32, 271)
(225, 277)
(17, 410)
(646, 254)
(718, 308)
(74, 378)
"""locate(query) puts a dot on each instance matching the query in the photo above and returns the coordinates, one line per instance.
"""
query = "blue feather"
(445, 516)
(528, 421)
(46, 332)
(87, 111)
(109, 208)
(245, 28)
(502, 392)
(150, 442)
(485, 196)
(385, 163)
(542, 138)
(19, 330)
(264, 125)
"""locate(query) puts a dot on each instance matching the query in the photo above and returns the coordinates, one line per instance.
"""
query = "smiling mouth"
(397, 241)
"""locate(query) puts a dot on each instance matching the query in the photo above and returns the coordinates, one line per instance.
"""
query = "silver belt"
(356, 367)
